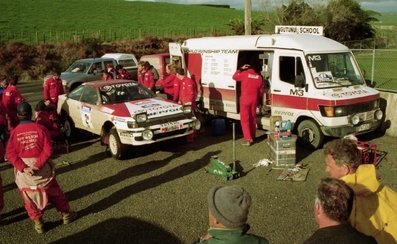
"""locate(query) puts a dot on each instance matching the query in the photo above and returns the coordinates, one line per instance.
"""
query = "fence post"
(373, 66)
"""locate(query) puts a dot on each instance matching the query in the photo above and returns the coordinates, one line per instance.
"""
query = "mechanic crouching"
(29, 150)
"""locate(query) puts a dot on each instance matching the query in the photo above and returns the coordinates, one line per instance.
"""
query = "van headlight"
(333, 111)
(141, 117)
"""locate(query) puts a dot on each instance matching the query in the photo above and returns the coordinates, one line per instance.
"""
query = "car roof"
(120, 56)
(89, 60)
(101, 83)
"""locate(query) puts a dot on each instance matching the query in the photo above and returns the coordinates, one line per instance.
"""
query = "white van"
(313, 81)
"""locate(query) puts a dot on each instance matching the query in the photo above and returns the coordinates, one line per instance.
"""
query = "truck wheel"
(68, 127)
(117, 149)
(310, 135)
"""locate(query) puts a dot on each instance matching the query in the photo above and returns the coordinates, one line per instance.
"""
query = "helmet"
(24, 109)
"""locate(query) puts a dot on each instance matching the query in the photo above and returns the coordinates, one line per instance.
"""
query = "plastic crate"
(368, 152)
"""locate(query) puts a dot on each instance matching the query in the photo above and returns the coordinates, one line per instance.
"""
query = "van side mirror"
(300, 81)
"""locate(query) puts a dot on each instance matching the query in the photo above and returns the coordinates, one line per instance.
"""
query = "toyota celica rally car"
(124, 113)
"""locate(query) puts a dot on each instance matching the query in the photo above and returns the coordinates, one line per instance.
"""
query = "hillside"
(44, 16)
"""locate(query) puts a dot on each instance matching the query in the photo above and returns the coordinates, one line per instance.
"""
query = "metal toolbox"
(282, 151)
(286, 143)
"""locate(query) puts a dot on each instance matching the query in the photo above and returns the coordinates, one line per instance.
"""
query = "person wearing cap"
(332, 208)
(251, 93)
(29, 149)
(228, 213)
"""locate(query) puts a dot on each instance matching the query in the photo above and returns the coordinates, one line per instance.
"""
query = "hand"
(47, 102)
(206, 237)
(245, 66)
(28, 171)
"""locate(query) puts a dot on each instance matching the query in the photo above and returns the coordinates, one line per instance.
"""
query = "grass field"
(109, 16)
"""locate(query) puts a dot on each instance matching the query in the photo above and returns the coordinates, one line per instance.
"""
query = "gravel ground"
(158, 193)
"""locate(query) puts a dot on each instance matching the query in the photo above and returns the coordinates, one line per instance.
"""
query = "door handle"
(277, 90)
(230, 86)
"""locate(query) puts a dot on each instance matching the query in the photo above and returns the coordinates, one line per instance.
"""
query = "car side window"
(90, 95)
(76, 93)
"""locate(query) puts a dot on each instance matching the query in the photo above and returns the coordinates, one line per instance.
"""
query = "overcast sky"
(377, 5)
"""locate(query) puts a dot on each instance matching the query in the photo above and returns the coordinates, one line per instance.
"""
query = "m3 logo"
(296, 92)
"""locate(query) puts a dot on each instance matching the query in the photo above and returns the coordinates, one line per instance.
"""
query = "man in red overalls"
(251, 92)
(29, 149)
(11, 98)
(52, 89)
(185, 89)
(145, 76)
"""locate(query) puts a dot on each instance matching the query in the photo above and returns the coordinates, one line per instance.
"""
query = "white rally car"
(124, 113)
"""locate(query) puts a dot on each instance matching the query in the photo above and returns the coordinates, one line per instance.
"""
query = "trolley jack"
(222, 169)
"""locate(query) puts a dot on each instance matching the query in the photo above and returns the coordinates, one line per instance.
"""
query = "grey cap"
(229, 205)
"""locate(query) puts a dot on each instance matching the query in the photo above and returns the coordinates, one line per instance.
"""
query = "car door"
(90, 117)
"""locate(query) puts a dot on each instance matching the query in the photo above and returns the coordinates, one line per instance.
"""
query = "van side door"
(288, 86)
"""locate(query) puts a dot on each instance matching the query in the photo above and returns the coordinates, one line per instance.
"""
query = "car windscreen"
(124, 92)
(78, 67)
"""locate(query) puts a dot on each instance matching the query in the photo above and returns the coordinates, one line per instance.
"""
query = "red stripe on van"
(313, 103)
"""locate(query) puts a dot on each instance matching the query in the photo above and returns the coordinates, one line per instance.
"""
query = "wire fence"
(379, 67)
(108, 35)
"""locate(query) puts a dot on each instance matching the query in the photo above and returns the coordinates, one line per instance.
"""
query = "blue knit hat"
(229, 205)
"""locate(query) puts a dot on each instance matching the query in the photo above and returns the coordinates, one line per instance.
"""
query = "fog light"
(197, 124)
(147, 135)
(355, 119)
(378, 114)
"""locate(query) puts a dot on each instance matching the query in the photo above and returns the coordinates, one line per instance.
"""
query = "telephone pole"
(247, 17)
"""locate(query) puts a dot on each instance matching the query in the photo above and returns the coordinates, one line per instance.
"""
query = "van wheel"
(310, 135)
(117, 149)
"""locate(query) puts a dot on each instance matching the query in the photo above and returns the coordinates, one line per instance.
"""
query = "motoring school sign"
(284, 29)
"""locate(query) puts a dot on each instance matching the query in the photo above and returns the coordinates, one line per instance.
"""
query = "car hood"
(155, 107)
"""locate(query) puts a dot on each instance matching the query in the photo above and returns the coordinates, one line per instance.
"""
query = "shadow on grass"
(140, 186)
(122, 230)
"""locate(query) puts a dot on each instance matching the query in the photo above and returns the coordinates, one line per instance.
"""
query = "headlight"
(378, 114)
(141, 118)
(147, 135)
(331, 111)
(376, 103)
(355, 119)
(187, 108)
(132, 124)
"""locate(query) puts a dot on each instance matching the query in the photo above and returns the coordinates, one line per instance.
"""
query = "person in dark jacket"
(332, 208)
(228, 212)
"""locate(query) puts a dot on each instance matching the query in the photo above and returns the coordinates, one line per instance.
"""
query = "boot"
(39, 225)
(69, 217)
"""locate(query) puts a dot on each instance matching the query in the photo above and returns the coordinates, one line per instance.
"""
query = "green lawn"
(108, 17)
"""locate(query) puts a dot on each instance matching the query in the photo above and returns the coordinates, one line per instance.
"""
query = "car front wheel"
(68, 127)
(117, 149)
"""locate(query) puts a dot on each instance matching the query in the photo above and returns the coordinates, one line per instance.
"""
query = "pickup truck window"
(79, 67)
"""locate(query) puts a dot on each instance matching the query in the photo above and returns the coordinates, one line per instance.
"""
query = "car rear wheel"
(309, 134)
(117, 149)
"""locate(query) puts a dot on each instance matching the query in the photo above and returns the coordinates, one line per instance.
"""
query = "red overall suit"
(32, 141)
(147, 79)
(11, 98)
(1, 181)
(251, 92)
(123, 74)
(52, 89)
(168, 84)
(46, 119)
(185, 91)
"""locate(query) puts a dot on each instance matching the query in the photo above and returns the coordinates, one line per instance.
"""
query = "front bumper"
(340, 131)
(161, 132)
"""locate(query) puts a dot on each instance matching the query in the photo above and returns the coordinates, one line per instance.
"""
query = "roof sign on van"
(284, 29)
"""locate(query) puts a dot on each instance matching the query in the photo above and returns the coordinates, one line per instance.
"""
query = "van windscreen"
(334, 70)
